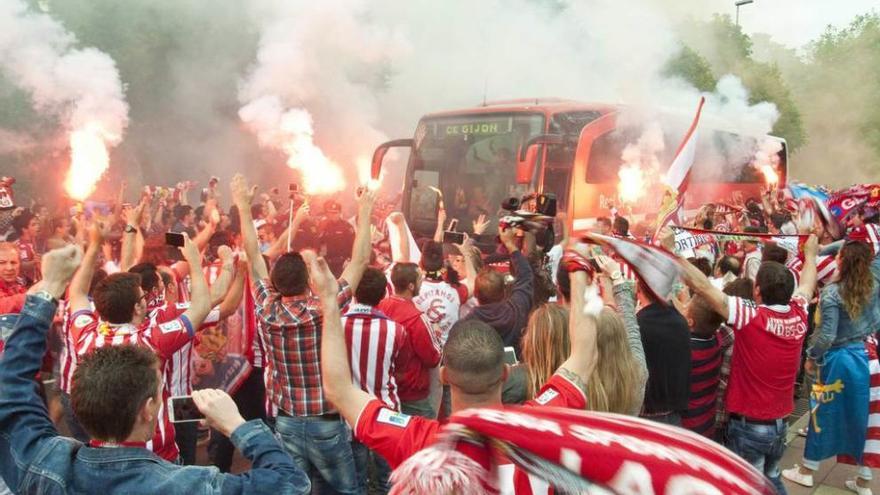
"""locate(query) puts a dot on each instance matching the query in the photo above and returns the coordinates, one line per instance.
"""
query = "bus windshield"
(467, 164)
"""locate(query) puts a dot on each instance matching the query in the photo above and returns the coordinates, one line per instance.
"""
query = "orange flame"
(320, 174)
(770, 175)
(89, 160)
(632, 185)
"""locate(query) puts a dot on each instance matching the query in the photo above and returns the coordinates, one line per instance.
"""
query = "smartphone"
(510, 356)
(450, 237)
(174, 239)
(293, 187)
(182, 409)
(453, 225)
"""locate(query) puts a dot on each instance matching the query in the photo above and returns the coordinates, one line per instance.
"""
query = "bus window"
(560, 158)
(474, 159)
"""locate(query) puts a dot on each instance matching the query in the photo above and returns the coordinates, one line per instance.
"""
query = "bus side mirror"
(528, 154)
(381, 150)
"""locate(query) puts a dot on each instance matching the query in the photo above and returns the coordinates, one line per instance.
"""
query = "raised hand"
(323, 282)
(219, 409)
(480, 224)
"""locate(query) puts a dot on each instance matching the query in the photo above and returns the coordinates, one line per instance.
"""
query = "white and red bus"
(472, 159)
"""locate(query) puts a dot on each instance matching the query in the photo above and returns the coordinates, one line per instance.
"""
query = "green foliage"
(691, 67)
(725, 49)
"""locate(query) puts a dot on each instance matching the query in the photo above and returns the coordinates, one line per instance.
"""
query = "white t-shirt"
(440, 303)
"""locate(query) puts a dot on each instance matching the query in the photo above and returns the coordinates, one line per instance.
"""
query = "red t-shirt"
(396, 436)
(422, 348)
(766, 357)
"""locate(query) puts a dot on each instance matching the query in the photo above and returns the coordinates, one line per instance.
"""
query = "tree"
(691, 67)
(727, 50)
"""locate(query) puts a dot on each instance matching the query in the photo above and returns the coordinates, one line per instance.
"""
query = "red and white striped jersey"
(178, 369)
(164, 339)
(374, 345)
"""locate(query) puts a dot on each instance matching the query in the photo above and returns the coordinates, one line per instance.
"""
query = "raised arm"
(23, 416)
(233, 297)
(242, 195)
(468, 252)
(441, 224)
(581, 363)
(200, 295)
(280, 245)
(807, 285)
(625, 300)
(360, 255)
(397, 219)
(335, 371)
(129, 255)
(227, 268)
(79, 286)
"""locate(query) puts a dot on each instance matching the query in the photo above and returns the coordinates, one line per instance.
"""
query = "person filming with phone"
(117, 396)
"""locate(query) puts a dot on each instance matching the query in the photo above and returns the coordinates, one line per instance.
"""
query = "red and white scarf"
(574, 451)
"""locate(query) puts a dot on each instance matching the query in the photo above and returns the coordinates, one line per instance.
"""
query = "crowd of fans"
(355, 344)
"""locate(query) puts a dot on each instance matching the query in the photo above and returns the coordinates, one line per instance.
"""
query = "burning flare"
(632, 185)
(291, 132)
(89, 160)
(770, 175)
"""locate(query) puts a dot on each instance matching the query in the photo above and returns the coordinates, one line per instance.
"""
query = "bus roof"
(547, 106)
(551, 106)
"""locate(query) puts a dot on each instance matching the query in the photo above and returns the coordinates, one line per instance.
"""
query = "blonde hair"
(545, 345)
(614, 384)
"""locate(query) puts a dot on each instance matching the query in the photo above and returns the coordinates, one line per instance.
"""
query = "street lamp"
(740, 3)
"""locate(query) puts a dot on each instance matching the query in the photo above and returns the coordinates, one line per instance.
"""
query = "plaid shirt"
(725, 340)
(292, 333)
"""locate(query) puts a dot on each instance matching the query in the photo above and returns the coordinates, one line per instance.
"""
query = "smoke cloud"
(80, 85)
(225, 87)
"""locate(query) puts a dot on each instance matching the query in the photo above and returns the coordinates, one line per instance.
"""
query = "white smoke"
(80, 85)
(319, 64)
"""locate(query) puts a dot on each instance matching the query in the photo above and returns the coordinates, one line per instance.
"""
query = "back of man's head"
(729, 264)
(489, 286)
(474, 357)
(110, 387)
(181, 211)
(772, 252)
(702, 264)
(149, 275)
(432, 256)
(372, 287)
(741, 287)
(621, 226)
(290, 277)
(775, 283)
(116, 295)
(404, 275)
(703, 319)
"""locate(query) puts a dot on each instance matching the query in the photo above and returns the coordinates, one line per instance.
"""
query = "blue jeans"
(760, 445)
(321, 443)
(372, 469)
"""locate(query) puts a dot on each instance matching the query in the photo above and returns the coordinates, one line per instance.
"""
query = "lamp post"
(740, 3)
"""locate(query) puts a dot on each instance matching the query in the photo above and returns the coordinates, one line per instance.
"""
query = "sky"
(790, 22)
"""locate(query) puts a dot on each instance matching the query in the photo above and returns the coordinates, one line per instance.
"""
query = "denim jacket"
(34, 458)
(837, 328)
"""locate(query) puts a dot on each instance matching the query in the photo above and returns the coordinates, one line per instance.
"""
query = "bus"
(469, 161)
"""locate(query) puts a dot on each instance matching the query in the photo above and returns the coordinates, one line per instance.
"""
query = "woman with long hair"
(618, 384)
(850, 313)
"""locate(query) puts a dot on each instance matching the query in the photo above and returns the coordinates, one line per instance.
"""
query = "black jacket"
(666, 340)
(509, 317)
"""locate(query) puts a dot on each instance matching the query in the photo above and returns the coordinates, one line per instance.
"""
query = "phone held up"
(182, 409)
(174, 239)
